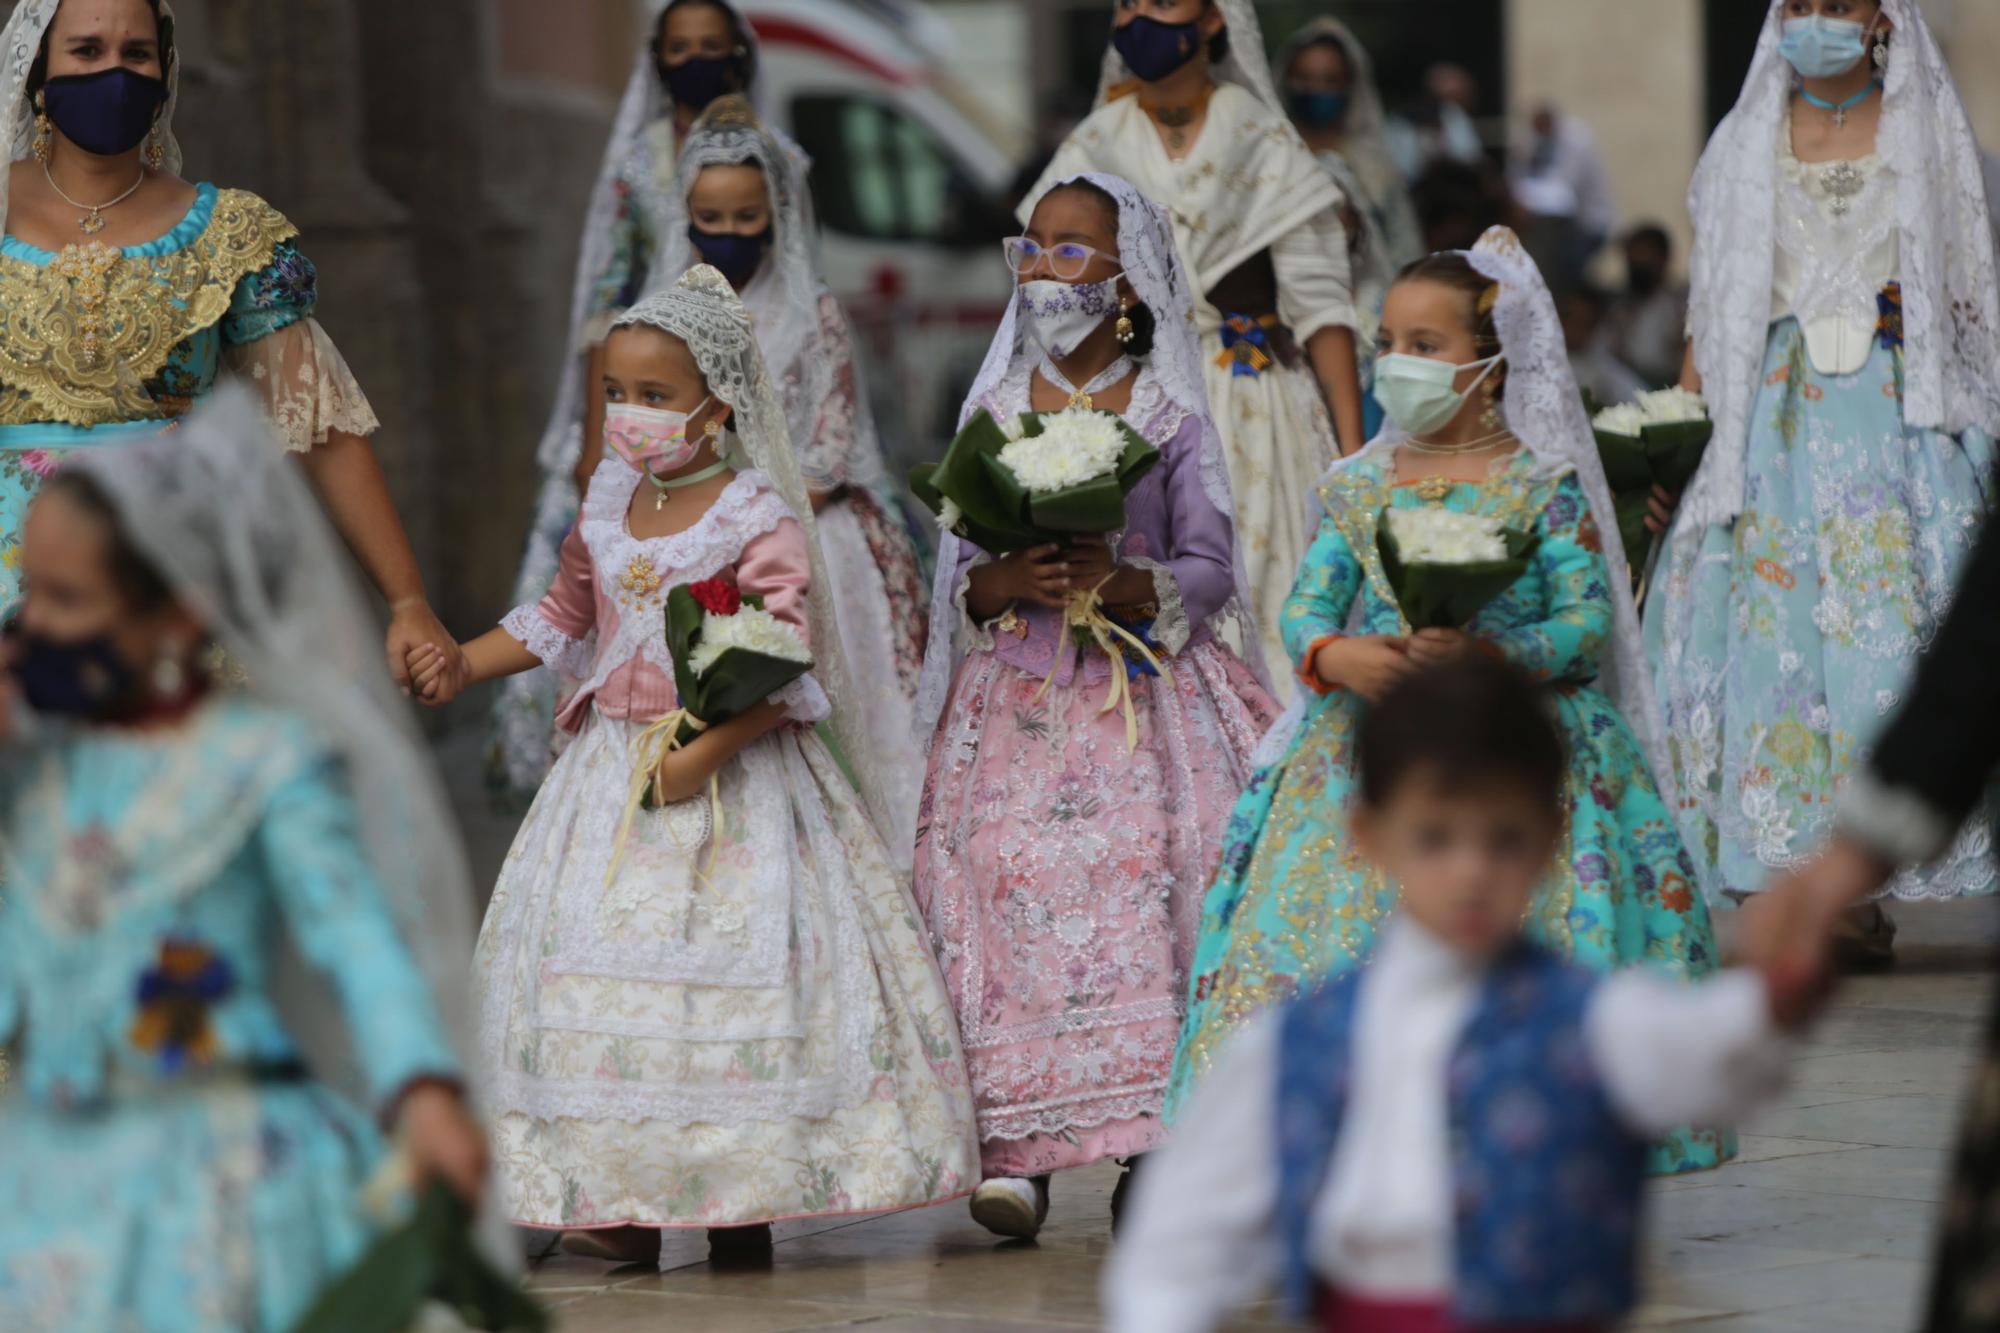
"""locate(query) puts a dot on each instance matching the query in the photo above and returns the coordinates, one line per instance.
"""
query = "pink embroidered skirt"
(1062, 880)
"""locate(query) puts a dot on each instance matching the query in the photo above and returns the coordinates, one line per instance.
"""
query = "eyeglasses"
(1066, 261)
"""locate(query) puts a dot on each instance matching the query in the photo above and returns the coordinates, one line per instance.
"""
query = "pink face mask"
(650, 439)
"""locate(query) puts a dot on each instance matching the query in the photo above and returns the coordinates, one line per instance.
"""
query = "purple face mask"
(1060, 315)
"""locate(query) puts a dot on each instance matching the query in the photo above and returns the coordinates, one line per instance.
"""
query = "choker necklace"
(1176, 119)
(1840, 109)
(1102, 380)
(667, 484)
(1449, 450)
(92, 220)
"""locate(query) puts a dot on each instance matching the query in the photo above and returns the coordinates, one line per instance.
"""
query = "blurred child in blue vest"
(1453, 1137)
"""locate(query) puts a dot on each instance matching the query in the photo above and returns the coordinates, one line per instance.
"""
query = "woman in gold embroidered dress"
(125, 291)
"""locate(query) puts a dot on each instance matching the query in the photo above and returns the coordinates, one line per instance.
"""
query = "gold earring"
(1124, 328)
(713, 429)
(44, 134)
(1490, 419)
(156, 148)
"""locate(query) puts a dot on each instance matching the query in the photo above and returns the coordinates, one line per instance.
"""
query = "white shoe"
(1011, 1206)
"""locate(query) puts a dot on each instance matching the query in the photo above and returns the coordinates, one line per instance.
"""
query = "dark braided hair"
(1449, 268)
(1144, 323)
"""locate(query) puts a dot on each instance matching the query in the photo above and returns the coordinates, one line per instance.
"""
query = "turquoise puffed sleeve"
(1568, 643)
(337, 915)
(276, 296)
(1322, 594)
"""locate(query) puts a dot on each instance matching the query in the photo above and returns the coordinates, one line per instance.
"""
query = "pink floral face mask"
(650, 439)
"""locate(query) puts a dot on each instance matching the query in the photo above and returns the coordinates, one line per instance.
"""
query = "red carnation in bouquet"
(718, 596)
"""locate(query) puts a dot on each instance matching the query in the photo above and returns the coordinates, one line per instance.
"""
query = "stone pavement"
(1824, 1222)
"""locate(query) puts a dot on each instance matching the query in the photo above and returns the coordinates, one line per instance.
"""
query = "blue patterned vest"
(1546, 1180)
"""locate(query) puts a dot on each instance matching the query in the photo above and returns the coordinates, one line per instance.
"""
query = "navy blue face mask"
(1315, 108)
(87, 680)
(106, 113)
(699, 80)
(1152, 50)
(736, 256)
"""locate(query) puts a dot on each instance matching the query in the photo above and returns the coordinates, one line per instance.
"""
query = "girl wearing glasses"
(1187, 112)
(1059, 870)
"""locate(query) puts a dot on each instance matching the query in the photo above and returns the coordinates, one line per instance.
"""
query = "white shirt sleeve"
(1674, 1054)
(1315, 278)
(1196, 1241)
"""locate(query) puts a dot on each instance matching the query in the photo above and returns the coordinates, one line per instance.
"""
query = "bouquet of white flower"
(1655, 440)
(1047, 477)
(1445, 566)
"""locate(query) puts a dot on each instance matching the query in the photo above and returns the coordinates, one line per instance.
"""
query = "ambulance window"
(881, 174)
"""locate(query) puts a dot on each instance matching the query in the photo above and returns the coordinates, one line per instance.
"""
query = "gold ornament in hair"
(1488, 299)
(730, 111)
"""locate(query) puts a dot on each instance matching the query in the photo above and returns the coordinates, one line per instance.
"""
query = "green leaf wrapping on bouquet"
(430, 1258)
(1626, 466)
(1632, 530)
(1096, 507)
(1675, 451)
(738, 681)
(992, 519)
(1451, 596)
(999, 515)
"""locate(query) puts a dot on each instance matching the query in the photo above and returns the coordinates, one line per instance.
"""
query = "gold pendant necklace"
(92, 220)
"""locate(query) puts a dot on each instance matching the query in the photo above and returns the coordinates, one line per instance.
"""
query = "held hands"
(435, 675)
(413, 628)
(443, 1141)
(1368, 664)
(1789, 929)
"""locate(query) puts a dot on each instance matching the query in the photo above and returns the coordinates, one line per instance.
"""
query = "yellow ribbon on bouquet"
(1085, 611)
(655, 743)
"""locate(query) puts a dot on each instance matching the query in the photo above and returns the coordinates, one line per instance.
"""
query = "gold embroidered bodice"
(84, 335)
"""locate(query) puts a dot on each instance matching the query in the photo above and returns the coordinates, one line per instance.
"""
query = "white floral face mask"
(650, 439)
(1060, 315)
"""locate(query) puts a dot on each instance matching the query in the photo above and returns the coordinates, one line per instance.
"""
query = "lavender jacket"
(1173, 531)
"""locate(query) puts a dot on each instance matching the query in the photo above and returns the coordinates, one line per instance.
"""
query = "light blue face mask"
(1416, 392)
(1823, 48)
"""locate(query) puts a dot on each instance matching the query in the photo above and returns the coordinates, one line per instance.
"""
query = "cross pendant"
(659, 502)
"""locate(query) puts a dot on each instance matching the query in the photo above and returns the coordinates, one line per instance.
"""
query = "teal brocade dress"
(166, 1162)
(100, 346)
(1294, 900)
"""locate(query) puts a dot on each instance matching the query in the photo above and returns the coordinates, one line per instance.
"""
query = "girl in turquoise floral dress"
(233, 916)
(1294, 899)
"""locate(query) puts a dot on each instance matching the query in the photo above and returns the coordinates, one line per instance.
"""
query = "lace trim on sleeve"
(804, 701)
(1170, 626)
(559, 652)
(305, 383)
(976, 637)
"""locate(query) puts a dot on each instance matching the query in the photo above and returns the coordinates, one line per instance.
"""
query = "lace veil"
(645, 104)
(229, 522)
(20, 43)
(1152, 266)
(703, 311)
(785, 297)
(1951, 302)
(1245, 65)
(1365, 143)
(1545, 411)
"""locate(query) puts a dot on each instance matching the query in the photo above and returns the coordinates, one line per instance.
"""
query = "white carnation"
(752, 630)
(1433, 536)
(1624, 419)
(1667, 407)
(949, 514)
(1074, 447)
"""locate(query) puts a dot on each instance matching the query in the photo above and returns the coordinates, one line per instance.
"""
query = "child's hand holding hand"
(436, 676)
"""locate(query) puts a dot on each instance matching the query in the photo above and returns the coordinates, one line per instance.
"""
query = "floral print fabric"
(1295, 901)
(1783, 641)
